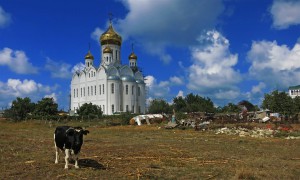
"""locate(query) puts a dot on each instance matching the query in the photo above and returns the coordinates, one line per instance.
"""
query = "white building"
(294, 91)
(112, 86)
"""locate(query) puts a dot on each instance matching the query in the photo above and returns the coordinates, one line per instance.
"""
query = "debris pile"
(242, 132)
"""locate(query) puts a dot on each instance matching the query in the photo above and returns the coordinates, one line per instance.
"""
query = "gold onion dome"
(89, 56)
(110, 37)
(107, 50)
(132, 56)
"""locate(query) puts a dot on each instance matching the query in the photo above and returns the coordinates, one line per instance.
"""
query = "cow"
(70, 140)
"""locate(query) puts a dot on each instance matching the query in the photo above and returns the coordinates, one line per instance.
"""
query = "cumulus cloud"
(96, 34)
(212, 71)
(17, 88)
(159, 24)
(258, 88)
(285, 13)
(17, 61)
(58, 69)
(180, 94)
(52, 95)
(176, 80)
(277, 66)
(78, 67)
(5, 18)
(157, 89)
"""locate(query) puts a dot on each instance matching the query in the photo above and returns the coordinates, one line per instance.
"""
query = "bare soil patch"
(146, 152)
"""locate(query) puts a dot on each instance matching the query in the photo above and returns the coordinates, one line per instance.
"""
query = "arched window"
(126, 88)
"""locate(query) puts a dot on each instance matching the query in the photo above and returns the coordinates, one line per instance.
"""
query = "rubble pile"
(242, 132)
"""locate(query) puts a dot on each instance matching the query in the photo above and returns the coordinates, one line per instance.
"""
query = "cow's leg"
(76, 156)
(56, 152)
(67, 151)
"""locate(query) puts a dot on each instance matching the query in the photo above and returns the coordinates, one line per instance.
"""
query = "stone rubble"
(243, 132)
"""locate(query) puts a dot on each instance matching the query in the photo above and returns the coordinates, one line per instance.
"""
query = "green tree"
(89, 109)
(231, 108)
(196, 103)
(46, 107)
(279, 102)
(159, 106)
(179, 104)
(296, 104)
(248, 105)
(20, 108)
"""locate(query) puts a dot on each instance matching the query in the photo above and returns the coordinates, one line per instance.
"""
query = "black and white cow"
(70, 140)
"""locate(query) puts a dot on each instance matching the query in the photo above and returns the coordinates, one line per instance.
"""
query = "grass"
(145, 152)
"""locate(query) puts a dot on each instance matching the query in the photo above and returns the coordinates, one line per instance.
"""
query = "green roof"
(294, 87)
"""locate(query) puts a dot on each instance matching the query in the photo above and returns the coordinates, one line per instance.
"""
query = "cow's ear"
(85, 132)
(70, 132)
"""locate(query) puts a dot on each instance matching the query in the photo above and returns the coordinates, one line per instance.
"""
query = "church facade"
(112, 86)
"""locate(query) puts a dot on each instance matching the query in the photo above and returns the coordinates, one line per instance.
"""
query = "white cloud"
(180, 94)
(17, 61)
(52, 95)
(229, 94)
(96, 34)
(78, 67)
(213, 70)
(277, 66)
(176, 80)
(17, 88)
(58, 69)
(285, 13)
(258, 88)
(157, 90)
(5, 18)
(159, 24)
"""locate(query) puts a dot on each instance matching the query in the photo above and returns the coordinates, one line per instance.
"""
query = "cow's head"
(75, 135)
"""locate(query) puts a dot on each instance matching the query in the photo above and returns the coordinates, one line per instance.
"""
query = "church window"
(139, 91)
(88, 64)
(116, 54)
(80, 92)
(132, 90)
(74, 93)
(103, 109)
(91, 90)
(103, 88)
(84, 91)
(127, 109)
(112, 88)
(126, 89)
(94, 74)
(77, 92)
(88, 91)
(106, 59)
(112, 108)
(100, 89)
(89, 75)
(95, 90)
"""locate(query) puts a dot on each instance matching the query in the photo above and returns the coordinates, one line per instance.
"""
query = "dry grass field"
(146, 152)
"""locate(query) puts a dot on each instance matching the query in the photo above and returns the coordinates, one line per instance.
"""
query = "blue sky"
(226, 50)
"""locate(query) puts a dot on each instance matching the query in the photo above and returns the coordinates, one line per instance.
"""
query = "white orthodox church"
(111, 85)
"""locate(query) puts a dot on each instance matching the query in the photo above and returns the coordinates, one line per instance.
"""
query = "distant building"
(294, 91)
(111, 85)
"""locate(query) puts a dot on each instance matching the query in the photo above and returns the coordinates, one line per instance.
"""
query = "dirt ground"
(146, 152)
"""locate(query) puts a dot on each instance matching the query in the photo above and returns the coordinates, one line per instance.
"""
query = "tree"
(20, 108)
(279, 102)
(196, 103)
(46, 107)
(296, 104)
(89, 109)
(159, 106)
(179, 104)
(248, 105)
(231, 108)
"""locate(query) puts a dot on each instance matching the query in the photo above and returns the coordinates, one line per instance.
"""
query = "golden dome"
(89, 56)
(107, 49)
(110, 37)
(132, 56)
